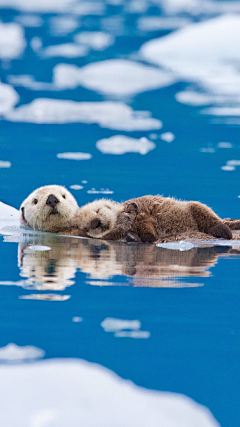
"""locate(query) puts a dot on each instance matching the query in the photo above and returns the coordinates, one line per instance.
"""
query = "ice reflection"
(103, 262)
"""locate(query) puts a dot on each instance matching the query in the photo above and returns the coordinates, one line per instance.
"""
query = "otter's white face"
(48, 208)
(98, 218)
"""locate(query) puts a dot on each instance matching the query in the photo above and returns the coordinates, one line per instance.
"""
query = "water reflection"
(50, 262)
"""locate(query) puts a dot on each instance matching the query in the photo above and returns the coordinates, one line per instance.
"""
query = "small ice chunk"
(74, 156)
(224, 145)
(8, 97)
(77, 319)
(167, 136)
(13, 353)
(5, 164)
(112, 325)
(12, 41)
(76, 187)
(190, 97)
(67, 50)
(228, 168)
(132, 334)
(177, 246)
(121, 144)
(96, 40)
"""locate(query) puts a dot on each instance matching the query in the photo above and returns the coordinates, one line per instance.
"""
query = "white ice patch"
(112, 115)
(132, 334)
(8, 97)
(205, 53)
(112, 325)
(12, 353)
(5, 164)
(231, 165)
(8, 213)
(96, 40)
(101, 191)
(33, 21)
(12, 41)
(67, 50)
(117, 77)
(62, 25)
(68, 392)
(225, 145)
(167, 136)
(155, 23)
(76, 187)
(74, 156)
(44, 6)
(121, 144)
(177, 246)
(29, 82)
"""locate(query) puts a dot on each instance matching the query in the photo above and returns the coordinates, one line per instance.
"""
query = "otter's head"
(98, 218)
(48, 208)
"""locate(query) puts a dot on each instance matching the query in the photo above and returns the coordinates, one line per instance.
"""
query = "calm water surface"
(165, 319)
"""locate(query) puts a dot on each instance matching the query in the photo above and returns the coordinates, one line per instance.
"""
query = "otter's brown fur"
(156, 218)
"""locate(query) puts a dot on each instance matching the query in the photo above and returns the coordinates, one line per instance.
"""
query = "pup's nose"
(95, 223)
(52, 201)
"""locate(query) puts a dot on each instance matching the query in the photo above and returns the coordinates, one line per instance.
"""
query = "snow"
(112, 115)
(121, 144)
(68, 392)
(12, 353)
(118, 77)
(12, 40)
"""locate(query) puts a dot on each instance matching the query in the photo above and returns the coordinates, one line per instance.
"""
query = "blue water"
(192, 314)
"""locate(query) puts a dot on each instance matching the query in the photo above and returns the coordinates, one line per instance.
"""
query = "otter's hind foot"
(221, 231)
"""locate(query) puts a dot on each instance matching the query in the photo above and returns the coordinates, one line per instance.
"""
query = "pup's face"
(98, 218)
(48, 208)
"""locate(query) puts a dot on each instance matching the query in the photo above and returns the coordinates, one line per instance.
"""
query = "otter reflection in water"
(54, 267)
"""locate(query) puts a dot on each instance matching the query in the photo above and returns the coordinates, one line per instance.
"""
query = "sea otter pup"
(49, 208)
(150, 218)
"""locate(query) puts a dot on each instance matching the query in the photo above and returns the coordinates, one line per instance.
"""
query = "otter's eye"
(64, 196)
(35, 201)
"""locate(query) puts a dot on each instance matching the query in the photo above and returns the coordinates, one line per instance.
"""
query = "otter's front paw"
(221, 231)
(133, 237)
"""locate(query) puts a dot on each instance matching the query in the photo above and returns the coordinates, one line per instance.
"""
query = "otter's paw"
(221, 231)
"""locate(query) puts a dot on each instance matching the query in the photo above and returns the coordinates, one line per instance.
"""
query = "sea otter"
(151, 218)
(49, 208)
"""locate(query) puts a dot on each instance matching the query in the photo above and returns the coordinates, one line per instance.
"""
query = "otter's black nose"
(52, 201)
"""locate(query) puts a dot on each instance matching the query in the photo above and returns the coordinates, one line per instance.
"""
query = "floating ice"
(205, 53)
(231, 165)
(76, 187)
(62, 25)
(12, 353)
(224, 145)
(29, 82)
(177, 246)
(77, 319)
(46, 297)
(121, 144)
(29, 20)
(119, 77)
(8, 213)
(155, 23)
(112, 325)
(67, 50)
(44, 6)
(167, 136)
(112, 115)
(65, 392)
(190, 97)
(133, 334)
(95, 40)
(5, 164)
(8, 97)
(101, 191)
(74, 156)
(12, 40)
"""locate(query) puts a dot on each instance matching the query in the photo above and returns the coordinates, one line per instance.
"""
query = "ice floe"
(112, 115)
(43, 6)
(13, 353)
(177, 246)
(231, 165)
(167, 136)
(67, 50)
(121, 144)
(207, 54)
(101, 191)
(124, 328)
(96, 40)
(33, 21)
(155, 23)
(68, 392)
(29, 82)
(62, 25)
(12, 40)
(76, 187)
(119, 77)
(5, 164)
(74, 156)
(8, 97)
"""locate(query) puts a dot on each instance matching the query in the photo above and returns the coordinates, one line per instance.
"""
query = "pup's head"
(98, 218)
(48, 208)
